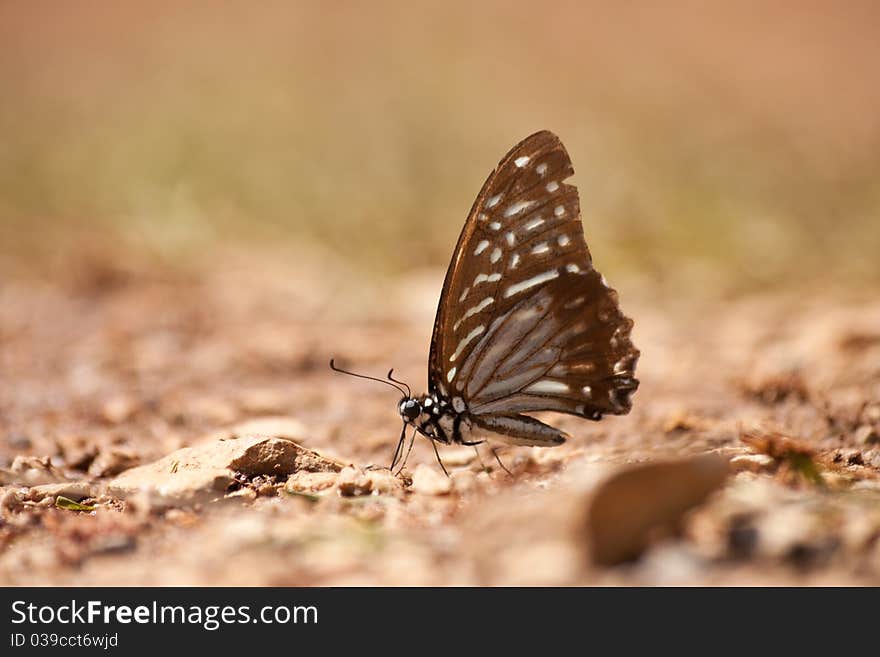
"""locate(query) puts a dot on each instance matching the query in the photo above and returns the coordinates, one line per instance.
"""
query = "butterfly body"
(437, 419)
(452, 424)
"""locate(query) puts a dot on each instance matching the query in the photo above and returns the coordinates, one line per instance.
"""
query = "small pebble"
(464, 481)
(118, 410)
(751, 463)
(867, 435)
(310, 482)
(352, 481)
(428, 481)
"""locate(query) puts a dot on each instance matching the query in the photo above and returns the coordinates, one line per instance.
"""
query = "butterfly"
(525, 323)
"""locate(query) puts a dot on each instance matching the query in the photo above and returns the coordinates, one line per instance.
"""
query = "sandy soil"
(112, 367)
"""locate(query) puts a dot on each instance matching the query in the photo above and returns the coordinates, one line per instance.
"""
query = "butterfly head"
(410, 409)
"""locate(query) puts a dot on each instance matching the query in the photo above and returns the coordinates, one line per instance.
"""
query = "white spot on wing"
(482, 246)
(541, 168)
(540, 248)
(450, 375)
(482, 278)
(521, 161)
(588, 391)
(531, 282)
(458, 404)
(493, 201)
(547, 386)
(563, 240)
(559, 210)
(495, 225)
(517, 207)
(534, 223)
(552, 186)
(514, 261)
(496, 255)
(488, 301)
(464, 294)
(511, 239)
(465, 341)
(572, 268)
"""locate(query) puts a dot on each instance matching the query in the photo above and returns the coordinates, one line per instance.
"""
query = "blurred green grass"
(728, 143)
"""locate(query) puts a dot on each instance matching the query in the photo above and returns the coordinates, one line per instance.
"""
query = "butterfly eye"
(410, 409)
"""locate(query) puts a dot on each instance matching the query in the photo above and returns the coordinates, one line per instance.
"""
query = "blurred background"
(735, 145)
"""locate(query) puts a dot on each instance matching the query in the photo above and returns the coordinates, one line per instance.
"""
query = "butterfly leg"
(472, 443)
(480, 458)
(412, 442)
(498, 458)
(437, 454)
(397, 449)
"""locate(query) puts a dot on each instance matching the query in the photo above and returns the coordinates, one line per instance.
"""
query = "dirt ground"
(113, 366)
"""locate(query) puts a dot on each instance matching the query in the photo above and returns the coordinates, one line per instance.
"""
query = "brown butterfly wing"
(525, 323)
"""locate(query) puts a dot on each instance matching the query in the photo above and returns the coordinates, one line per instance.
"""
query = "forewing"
(525, 323)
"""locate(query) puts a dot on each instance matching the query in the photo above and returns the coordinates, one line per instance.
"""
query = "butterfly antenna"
(403, 383)
(369, 378)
